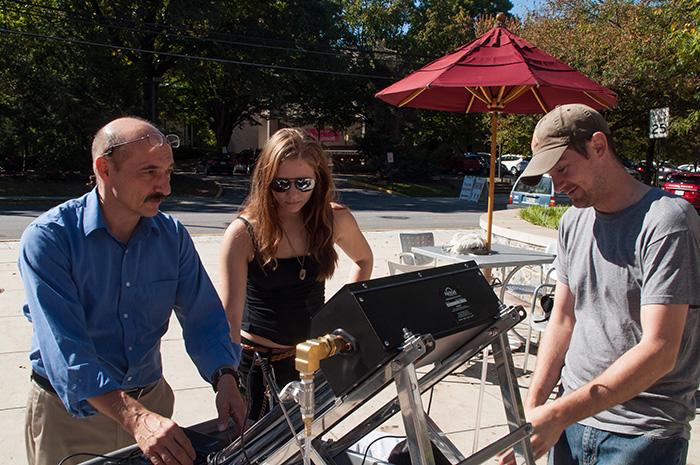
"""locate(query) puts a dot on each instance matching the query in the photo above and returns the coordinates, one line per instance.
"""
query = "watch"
(221, 372)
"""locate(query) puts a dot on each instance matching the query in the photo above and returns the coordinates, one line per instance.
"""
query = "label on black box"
(457, 304)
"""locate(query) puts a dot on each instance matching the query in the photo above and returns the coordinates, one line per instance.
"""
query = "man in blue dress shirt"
(102, 275)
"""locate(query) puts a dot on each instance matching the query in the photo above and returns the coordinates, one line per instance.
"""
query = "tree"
(420, 32)
(632, 48)
(55, 97)
(72, 65)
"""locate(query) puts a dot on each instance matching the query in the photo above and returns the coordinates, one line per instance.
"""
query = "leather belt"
(135, 393)
(274, 354)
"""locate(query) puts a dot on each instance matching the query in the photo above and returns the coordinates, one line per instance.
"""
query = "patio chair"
(395, 268)
(410, 240)
(539, 315)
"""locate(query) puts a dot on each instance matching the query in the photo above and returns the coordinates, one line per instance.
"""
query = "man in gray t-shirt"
(623, 335)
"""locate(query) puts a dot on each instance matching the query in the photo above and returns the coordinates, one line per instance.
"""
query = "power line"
(157, 28)
(190, 57)
(164, 31)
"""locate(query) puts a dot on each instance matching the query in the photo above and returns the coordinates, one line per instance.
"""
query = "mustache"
(157, 196)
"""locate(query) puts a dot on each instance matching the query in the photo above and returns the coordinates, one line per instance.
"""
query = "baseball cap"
(556, 131)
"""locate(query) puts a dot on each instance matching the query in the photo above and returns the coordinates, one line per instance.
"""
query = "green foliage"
(419, 32)
(69, 66)
(543, 216)
(643, 50)
(515, 133)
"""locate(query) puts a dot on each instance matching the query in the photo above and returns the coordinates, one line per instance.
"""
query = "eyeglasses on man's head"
(155, 139)
(301, 184)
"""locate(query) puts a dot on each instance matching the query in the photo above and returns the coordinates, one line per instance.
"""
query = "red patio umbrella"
(498, 72)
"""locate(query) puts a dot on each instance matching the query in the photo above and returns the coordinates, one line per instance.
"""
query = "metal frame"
(271, 442)
(420, 427)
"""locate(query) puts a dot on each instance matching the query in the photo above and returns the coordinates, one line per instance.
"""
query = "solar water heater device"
(368, 335)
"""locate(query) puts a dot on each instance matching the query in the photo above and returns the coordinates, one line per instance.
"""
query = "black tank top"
(279, 305)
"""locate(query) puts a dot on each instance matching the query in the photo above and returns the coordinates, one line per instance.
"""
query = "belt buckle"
(136, 393)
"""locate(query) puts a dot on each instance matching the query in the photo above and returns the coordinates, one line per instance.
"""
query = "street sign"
(658, 123)
(471, 188)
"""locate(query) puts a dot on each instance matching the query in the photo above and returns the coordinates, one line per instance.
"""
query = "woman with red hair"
(277, 254)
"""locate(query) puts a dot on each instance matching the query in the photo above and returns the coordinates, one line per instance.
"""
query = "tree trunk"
(224, 126)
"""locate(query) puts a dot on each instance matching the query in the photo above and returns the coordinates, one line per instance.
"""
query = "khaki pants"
(51, 433)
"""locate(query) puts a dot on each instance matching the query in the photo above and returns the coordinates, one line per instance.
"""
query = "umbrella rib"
(598, 100)
(487, 95)
(500, 93)
(538, 97)
(475, 94)
(515, 92)
(499, 99)
(471, 102)
(415, 94)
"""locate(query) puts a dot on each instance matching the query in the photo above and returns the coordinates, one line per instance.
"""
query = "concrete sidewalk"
(453, 404)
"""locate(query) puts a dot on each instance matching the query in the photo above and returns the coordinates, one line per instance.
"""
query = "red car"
(686, 185)
(466, 163)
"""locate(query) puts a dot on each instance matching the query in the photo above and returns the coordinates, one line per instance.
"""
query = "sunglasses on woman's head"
(301, 184)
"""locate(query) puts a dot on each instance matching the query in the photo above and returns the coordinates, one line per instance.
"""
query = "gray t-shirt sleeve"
(667, 271)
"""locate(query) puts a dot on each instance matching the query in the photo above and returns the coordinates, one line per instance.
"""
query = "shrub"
(543, 216)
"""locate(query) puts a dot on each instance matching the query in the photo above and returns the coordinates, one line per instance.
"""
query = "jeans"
(253, 386)
(585, 445)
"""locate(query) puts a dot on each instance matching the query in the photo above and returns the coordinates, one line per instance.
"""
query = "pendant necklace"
(302, 270)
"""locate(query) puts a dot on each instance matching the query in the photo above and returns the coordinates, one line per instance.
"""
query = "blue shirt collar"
(93, 219)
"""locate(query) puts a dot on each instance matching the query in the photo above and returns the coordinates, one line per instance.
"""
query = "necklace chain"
(302, 270)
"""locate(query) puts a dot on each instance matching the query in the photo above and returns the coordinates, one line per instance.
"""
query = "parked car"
(219, 164)
(631, 167)
(541, 193)
(466, 163)
(685, 184)
(244, 161)
(660, 171)
(485, 161)
(663, 170)
(515, 164)
(692, 167)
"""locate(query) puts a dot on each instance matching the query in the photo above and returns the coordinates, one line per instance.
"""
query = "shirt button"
(126, 315)
(128, 284)
(130, 348)
(129, 378)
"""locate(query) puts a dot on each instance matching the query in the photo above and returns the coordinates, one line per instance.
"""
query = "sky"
(521, 7)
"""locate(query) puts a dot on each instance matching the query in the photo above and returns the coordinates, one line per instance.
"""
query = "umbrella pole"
(492, 172)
